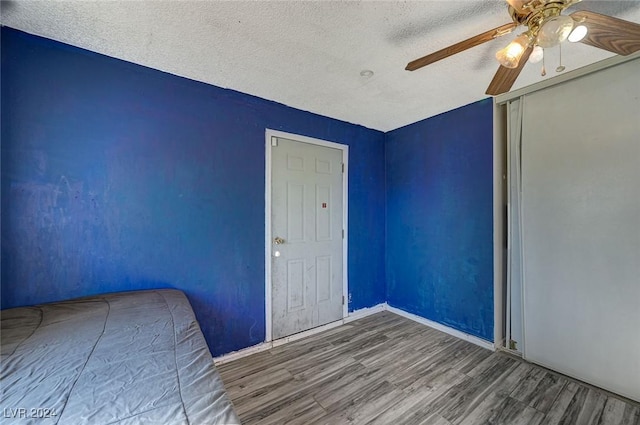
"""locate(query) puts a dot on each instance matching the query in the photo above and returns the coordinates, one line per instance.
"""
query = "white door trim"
(267, 219)
(499, 201)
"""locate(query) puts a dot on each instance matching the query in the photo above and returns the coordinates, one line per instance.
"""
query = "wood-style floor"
(385, 369)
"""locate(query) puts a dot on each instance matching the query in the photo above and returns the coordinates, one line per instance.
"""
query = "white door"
(306, 229)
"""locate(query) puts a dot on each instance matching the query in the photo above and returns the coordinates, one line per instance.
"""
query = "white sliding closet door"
(581, 228)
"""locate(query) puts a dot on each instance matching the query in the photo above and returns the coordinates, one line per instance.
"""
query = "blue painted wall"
(439, 238)
(118, 177)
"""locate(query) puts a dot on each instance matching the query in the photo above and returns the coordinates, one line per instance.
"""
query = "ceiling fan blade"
(461, 46)
(505, 77)
(609, 33)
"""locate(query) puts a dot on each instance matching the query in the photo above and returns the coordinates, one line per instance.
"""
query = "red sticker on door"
(324, 205)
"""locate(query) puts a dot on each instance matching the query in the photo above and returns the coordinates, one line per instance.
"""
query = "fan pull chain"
(544, 71)
(560, 67)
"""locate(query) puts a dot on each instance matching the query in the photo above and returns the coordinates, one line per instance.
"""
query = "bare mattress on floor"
(122, 358)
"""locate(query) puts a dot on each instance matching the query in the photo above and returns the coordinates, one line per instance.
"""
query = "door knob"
(278, 240)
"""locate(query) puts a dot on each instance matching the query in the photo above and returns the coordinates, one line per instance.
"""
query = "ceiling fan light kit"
(546, 27)
(554, 31)
(536, 54)
(509, 57)
(578, 33)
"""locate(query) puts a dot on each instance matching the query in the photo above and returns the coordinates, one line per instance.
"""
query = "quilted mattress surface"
(122, 358)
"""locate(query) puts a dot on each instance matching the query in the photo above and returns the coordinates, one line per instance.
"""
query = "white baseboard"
(354, 315)
(305, 334)
(364, 312)
(443, 328)
(263, 346)
(235, 355)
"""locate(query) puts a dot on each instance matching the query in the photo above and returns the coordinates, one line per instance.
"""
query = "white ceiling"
(308, 54)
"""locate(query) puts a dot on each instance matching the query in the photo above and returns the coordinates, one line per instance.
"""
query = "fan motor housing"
(536, 12)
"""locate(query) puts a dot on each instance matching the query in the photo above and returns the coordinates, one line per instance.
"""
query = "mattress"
(122, 358)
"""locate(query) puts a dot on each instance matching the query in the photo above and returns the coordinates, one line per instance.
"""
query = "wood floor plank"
(391, 357)
(429, 382)
(256, 381)
(386, 348)
(350, 403)
(514, 412)
(487, 392)
(386, 369)
(413, 408)
(334, 397)
(246, 366)
(434, 359)
(506, 385)
(560, 404)
(543, 395)
(490, 362)
(592, 408)
(613, 412)
(463, 397)
(572, 412)
(433, 420)
(631, 415)
(303, 411)
(318, 370)
(264, 397)
(258, 406)
(478, 355)
(526, 389)
(483, 410)
(617, 412)
(365, 413)
(322, 387)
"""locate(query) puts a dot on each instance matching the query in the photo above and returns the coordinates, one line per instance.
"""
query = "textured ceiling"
(308, 54)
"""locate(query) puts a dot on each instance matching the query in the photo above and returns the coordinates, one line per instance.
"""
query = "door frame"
(267, 219)
(500, 231)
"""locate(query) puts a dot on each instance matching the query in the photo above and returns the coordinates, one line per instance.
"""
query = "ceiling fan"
(545, 27)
